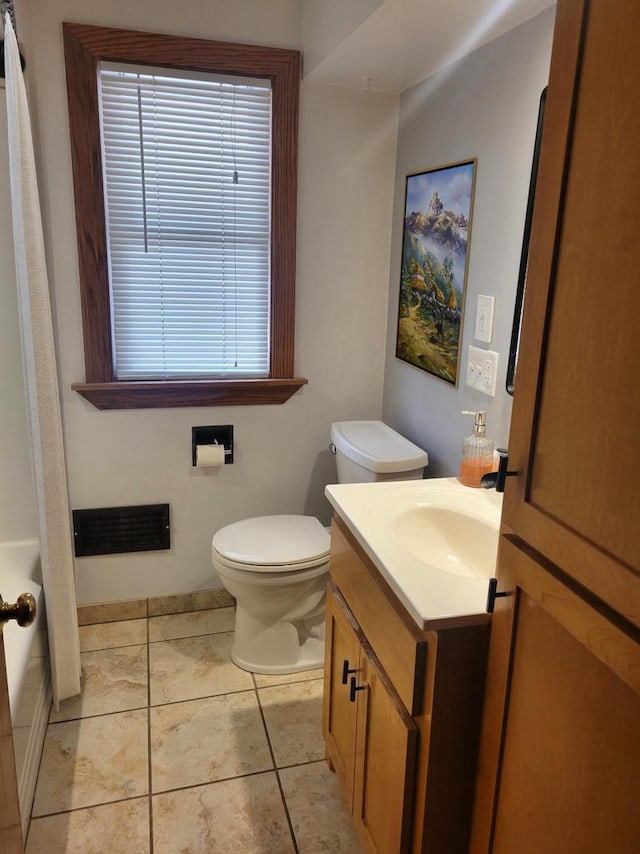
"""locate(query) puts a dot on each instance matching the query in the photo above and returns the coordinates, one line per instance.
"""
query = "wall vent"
(113, 530)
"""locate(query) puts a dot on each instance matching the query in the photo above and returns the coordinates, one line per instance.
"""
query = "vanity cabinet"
(401, 710)
(559, 767)
(371, 738)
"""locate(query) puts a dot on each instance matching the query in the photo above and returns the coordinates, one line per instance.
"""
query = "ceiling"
(404, 41)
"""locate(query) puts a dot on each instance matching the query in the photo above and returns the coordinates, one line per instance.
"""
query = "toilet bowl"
(277, 567)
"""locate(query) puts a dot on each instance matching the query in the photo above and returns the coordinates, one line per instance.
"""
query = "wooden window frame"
(85, 46)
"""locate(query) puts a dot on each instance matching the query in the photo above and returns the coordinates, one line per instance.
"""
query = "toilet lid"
(273, 542)
(375, 446)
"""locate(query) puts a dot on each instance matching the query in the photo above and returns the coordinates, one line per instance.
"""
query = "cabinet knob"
(346, 671)
(353, 688)
(492, 595)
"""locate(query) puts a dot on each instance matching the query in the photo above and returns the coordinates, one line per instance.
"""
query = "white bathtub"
(28, 675)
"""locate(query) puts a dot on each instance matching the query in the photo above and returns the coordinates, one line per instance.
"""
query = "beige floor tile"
(264, 681)
(108, 635)
(319, 815)
(189, 602)
(242, 816)
(187, 668)
(201, 741)
(293, 714)
(192, 624)
(113, 680)
(121, 827)
(92, 761)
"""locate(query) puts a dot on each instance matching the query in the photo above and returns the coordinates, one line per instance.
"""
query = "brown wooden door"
(559, 766)
(385, 762)
(569, 771)
(10, 828)
(343, 643)
(575, 433)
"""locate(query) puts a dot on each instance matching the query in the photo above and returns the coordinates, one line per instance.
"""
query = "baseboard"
(134, 609)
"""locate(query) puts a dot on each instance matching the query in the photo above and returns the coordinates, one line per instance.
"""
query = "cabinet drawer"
(397, 642)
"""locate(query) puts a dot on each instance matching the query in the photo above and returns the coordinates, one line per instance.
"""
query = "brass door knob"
(23, 611)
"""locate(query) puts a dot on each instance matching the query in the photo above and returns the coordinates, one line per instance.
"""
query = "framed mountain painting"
(435, 256)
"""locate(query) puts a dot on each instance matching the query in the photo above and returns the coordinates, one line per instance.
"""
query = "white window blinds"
(187, 172)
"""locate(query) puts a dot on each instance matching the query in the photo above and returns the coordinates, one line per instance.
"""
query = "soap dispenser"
(477, 452)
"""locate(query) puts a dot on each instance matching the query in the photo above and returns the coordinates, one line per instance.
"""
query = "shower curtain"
(41, 380)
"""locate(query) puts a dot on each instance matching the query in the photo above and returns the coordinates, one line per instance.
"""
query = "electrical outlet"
(484, 319)
(482, 369)
(487, 381)
(472, 371)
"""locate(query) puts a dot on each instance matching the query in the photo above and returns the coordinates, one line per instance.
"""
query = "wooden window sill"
(174, 393)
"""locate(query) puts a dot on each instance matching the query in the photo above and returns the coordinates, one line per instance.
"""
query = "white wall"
(347, 155)
(484, 106)
(17, 500)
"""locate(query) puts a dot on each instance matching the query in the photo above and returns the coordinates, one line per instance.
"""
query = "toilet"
(276, 567)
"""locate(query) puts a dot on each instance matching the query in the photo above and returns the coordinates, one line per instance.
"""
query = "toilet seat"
(277, 576)
(272, 569)
(272, 544)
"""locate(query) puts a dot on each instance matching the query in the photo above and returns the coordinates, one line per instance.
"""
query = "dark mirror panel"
(524, 256)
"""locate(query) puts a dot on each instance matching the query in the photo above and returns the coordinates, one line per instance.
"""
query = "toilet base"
(282, 646)
(310, 659)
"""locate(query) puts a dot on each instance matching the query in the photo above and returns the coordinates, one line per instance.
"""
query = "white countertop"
(434, 596)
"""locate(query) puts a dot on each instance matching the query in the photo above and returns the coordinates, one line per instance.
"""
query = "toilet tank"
(369, 451)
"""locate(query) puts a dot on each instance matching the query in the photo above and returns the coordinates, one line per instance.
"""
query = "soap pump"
(477, 452)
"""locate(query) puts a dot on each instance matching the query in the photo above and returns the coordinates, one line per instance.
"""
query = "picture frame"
(436, 235)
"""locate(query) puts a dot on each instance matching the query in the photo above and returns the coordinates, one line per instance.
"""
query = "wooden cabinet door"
(559, 767)
(575, 432)
(343, 642)
(385, 762)
(569, 740)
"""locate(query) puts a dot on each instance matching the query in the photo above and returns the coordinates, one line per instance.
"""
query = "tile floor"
(172, 749)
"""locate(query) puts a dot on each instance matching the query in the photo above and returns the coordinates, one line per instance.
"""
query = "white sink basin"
(448, 540)
(434, 541)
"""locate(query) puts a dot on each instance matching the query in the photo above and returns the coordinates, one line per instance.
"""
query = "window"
(184, 160)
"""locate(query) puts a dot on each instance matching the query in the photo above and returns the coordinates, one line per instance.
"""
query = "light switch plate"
(482, 369)
(484, 319)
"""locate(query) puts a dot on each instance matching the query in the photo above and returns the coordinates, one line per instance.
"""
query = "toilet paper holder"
(220, 435)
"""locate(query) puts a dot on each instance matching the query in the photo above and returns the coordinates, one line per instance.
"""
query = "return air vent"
(112, 530)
